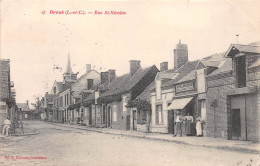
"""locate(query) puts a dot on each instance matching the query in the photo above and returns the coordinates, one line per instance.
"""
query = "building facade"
(233, 93)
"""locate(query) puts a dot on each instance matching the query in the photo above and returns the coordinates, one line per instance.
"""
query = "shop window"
(241, 71)
(115, 113)
(159, 114)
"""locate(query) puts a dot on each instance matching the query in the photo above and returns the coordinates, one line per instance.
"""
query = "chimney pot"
(88, 68)
(112, 75)
(134, 66)
(163, 66)
(180, 55)
(27, 102)
(104, 77)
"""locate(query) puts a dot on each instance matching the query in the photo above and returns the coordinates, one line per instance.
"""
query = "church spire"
(68, 67)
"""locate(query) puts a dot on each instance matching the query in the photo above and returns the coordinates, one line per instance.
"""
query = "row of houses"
(221, 88)
(8, 105)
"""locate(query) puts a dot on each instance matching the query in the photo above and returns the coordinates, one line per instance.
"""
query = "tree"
(37, 103)
(144, 105)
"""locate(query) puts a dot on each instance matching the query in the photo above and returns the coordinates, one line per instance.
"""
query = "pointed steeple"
(68, 67)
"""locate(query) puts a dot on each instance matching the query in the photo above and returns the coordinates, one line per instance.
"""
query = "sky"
(35, 42)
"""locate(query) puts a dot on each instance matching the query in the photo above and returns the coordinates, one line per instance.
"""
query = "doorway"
(90, 116)
(236, 124)
(109, 117)
(171, 121)
(134, 120)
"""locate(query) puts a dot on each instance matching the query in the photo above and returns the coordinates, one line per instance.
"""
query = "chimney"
(27, 102)
(134, 66)
(88, 68)
(180, 55)
(163, 66)
(104, 77)
(112, 75)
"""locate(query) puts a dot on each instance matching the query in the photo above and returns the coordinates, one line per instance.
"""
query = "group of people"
(188, 121)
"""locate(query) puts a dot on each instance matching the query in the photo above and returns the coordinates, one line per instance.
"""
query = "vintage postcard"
(127, 83)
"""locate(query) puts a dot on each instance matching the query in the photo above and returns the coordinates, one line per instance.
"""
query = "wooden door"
(171, 121)
(236, 125)
(90, 116)
(134, 120)
(109, 117)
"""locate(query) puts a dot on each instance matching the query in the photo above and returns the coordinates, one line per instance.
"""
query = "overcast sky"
(149, 31)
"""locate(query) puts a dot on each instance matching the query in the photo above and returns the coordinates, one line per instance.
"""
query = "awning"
(179, 103)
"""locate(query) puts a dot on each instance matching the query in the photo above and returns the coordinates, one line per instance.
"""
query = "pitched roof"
(188, 77)
(211, 63)
(226, 66)
(24, 106)
(255, 64)
(145, 95)
(183, 71)
(256, 43)
(242, 48)
(125, 82)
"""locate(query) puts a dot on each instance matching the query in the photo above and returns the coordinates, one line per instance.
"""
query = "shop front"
(186, 106)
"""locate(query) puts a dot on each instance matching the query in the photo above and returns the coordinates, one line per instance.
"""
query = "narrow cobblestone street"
(66, 146)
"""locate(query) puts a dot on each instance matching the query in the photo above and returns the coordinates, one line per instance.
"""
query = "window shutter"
(157, 115)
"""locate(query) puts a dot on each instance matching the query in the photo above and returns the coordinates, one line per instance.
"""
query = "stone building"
(119, 91)
(7, 94)
(233, 95)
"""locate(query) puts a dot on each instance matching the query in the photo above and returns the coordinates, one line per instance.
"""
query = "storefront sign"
(184, 87)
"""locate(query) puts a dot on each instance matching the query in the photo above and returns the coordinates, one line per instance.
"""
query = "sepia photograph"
(130, 83)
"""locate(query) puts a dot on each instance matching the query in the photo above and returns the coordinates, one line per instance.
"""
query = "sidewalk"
(209, 142)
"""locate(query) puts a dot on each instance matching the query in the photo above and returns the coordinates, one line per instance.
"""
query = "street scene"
(87, 83)
(86, 147)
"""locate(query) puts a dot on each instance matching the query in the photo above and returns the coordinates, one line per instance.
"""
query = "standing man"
(6, 128)
(178, 124)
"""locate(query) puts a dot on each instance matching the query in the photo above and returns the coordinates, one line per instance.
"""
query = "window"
(115, 113)
(241, 71)
(90, 83)
(159, 114)
(158, 89)
(124, 103)
(26, 115)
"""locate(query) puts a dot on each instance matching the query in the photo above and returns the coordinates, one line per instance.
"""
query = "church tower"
(68, 75)
(180, 55)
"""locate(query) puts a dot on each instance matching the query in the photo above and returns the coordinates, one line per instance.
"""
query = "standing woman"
(189, 120)
(198, 125)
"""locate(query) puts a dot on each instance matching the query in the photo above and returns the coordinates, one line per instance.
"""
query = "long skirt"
(188, 127)
(198, 129)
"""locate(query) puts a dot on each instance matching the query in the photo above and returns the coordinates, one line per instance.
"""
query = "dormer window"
(240, 63)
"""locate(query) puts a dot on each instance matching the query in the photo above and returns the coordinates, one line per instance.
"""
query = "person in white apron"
(198, 125)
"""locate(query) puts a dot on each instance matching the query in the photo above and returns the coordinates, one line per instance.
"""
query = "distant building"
(67, 92)
(24, 111)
